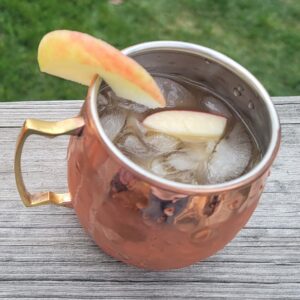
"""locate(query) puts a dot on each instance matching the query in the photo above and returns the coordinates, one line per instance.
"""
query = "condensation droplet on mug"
(251, 105)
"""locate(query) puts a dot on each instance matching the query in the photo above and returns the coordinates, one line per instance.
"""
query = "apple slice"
(78, 57)
(189, 126)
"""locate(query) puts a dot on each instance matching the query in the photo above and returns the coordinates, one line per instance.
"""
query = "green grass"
(262, 35)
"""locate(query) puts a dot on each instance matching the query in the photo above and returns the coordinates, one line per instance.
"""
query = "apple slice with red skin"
(79, 57)
(189, 126)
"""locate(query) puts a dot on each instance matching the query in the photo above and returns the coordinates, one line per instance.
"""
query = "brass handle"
(49, 129)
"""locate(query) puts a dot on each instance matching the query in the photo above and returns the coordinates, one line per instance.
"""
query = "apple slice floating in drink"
(79, 57)
(189, 126)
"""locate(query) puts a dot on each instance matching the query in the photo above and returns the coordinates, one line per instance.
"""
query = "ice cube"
(184, 177)
(104, 102)
(210, 147)
(161, 143)
(176, 167)
(182, 161)
(215, 106)
(163, 168)
(134, 125)
(187, 164)
(231, 157)
(128, 104)
(158, 143)
(175, 94)
(200, 151)
(166, 165)
(159, 167)
(113, 121)
(201, 174)
(132, 146)
(172, 163)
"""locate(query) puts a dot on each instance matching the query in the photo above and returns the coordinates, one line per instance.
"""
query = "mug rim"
(223, 60)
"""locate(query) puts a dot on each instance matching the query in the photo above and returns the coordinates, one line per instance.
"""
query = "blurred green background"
(262, 35)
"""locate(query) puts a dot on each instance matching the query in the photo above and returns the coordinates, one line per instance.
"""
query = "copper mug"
(136, 216)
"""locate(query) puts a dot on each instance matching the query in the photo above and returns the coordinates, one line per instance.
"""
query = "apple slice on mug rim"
(189, 126)
(79, 57)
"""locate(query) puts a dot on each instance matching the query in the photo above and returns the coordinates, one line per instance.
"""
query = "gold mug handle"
(48, 129)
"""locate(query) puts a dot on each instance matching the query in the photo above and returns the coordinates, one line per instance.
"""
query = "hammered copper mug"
(136, 216)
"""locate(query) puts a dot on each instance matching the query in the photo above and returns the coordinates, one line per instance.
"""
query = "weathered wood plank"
(154, 290)
(264, 273)
(290, 100)
(44, 253)
(15, 113)
(251, 245)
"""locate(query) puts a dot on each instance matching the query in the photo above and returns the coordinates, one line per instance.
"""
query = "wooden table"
(44, 253)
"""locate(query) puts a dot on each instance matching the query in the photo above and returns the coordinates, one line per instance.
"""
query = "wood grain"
(44, 253)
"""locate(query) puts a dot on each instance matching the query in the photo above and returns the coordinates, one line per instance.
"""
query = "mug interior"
(228, 79)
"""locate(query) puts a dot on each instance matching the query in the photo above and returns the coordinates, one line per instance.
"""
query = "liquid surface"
(208, 162)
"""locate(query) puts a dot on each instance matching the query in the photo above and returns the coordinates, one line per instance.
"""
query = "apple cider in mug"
(198, 138)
